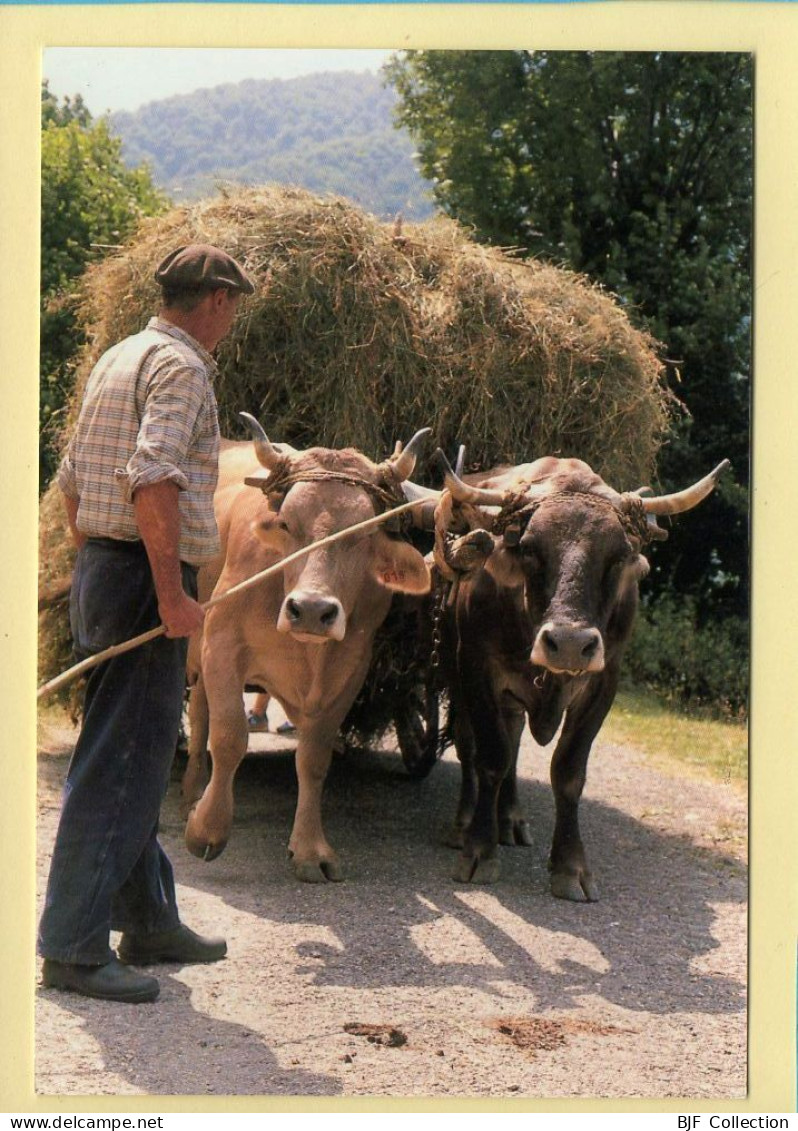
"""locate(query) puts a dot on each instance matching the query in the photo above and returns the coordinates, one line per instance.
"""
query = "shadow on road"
(655, 917)
(400, 920)
(172, 1041)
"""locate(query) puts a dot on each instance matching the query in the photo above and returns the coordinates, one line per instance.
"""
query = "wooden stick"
(128, 645)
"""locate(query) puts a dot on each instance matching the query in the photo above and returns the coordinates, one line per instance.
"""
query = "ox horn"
(415, 493)
(266, 452)
(426, 499)
(403, 461)
(462, 492)
(685, 500)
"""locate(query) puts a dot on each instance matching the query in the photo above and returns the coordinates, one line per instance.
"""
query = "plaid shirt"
(148, 415)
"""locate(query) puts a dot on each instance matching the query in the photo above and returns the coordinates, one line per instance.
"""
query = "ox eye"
(614, 568)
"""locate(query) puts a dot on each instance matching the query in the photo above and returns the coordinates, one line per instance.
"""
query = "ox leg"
(312, 858)
(209, 822)
(478, 862)
(464, 745)
(570, 875)
(195, 776)
(513, 826)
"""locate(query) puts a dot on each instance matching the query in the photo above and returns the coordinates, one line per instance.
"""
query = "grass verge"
(705, 746)
(675, 740)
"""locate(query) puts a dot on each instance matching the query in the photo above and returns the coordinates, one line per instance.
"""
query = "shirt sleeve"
(173, 399)
(65, 477)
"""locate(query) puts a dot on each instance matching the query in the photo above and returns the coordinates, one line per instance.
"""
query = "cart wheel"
(417, 732)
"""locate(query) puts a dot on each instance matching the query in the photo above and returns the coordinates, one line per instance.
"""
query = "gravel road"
(399, 982)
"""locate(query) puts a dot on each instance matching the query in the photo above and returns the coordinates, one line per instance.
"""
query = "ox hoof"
(317, 871)
(200, 846)
(576, 886)
(204, 850)
(515, 832)
(475, 871)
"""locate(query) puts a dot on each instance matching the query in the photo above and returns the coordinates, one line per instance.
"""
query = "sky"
(124, 78)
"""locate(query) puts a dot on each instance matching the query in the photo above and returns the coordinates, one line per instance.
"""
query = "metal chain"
(437, 613)
(444, 590)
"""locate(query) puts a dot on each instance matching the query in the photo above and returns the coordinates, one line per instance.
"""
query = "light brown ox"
(305, 635)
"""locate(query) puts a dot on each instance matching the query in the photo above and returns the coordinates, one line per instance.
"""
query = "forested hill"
(330, 132)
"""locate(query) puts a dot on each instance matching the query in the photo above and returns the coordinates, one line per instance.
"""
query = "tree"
(328, 132)
(635, 169)
(60, 114)
(90, 202)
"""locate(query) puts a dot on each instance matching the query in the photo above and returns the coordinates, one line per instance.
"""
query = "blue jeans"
(108, 871)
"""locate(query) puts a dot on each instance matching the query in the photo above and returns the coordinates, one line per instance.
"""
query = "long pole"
(127, 645)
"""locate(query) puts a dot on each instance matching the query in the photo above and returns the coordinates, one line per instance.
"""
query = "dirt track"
(399, 982)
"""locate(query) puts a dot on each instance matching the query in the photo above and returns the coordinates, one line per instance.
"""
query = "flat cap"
(202, 265)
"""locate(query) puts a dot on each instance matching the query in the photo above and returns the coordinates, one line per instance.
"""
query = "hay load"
(358, 334)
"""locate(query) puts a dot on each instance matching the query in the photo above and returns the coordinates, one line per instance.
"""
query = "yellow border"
(769, 30)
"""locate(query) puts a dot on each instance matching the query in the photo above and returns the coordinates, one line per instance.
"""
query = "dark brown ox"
(538, 633)
(304, 635)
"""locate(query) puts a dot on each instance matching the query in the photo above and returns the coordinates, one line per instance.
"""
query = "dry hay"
(357, 337)
(56, 558)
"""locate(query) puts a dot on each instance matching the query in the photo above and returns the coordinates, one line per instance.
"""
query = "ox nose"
(311, 614)
(566, 647)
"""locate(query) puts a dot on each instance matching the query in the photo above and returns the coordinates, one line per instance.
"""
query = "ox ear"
(399, 566)
(505, 568)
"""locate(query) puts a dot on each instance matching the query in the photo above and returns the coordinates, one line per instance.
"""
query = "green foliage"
(90, 202)
(635, 169)
(690, 661)
(329, 133)
(61, 114)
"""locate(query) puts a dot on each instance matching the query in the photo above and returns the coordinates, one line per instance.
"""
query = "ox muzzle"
(312, 617)
(569, 648)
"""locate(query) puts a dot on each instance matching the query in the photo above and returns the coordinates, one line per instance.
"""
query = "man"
(138, 482)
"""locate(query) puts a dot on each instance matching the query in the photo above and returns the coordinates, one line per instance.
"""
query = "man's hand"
(158, 517)
(181, 617)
